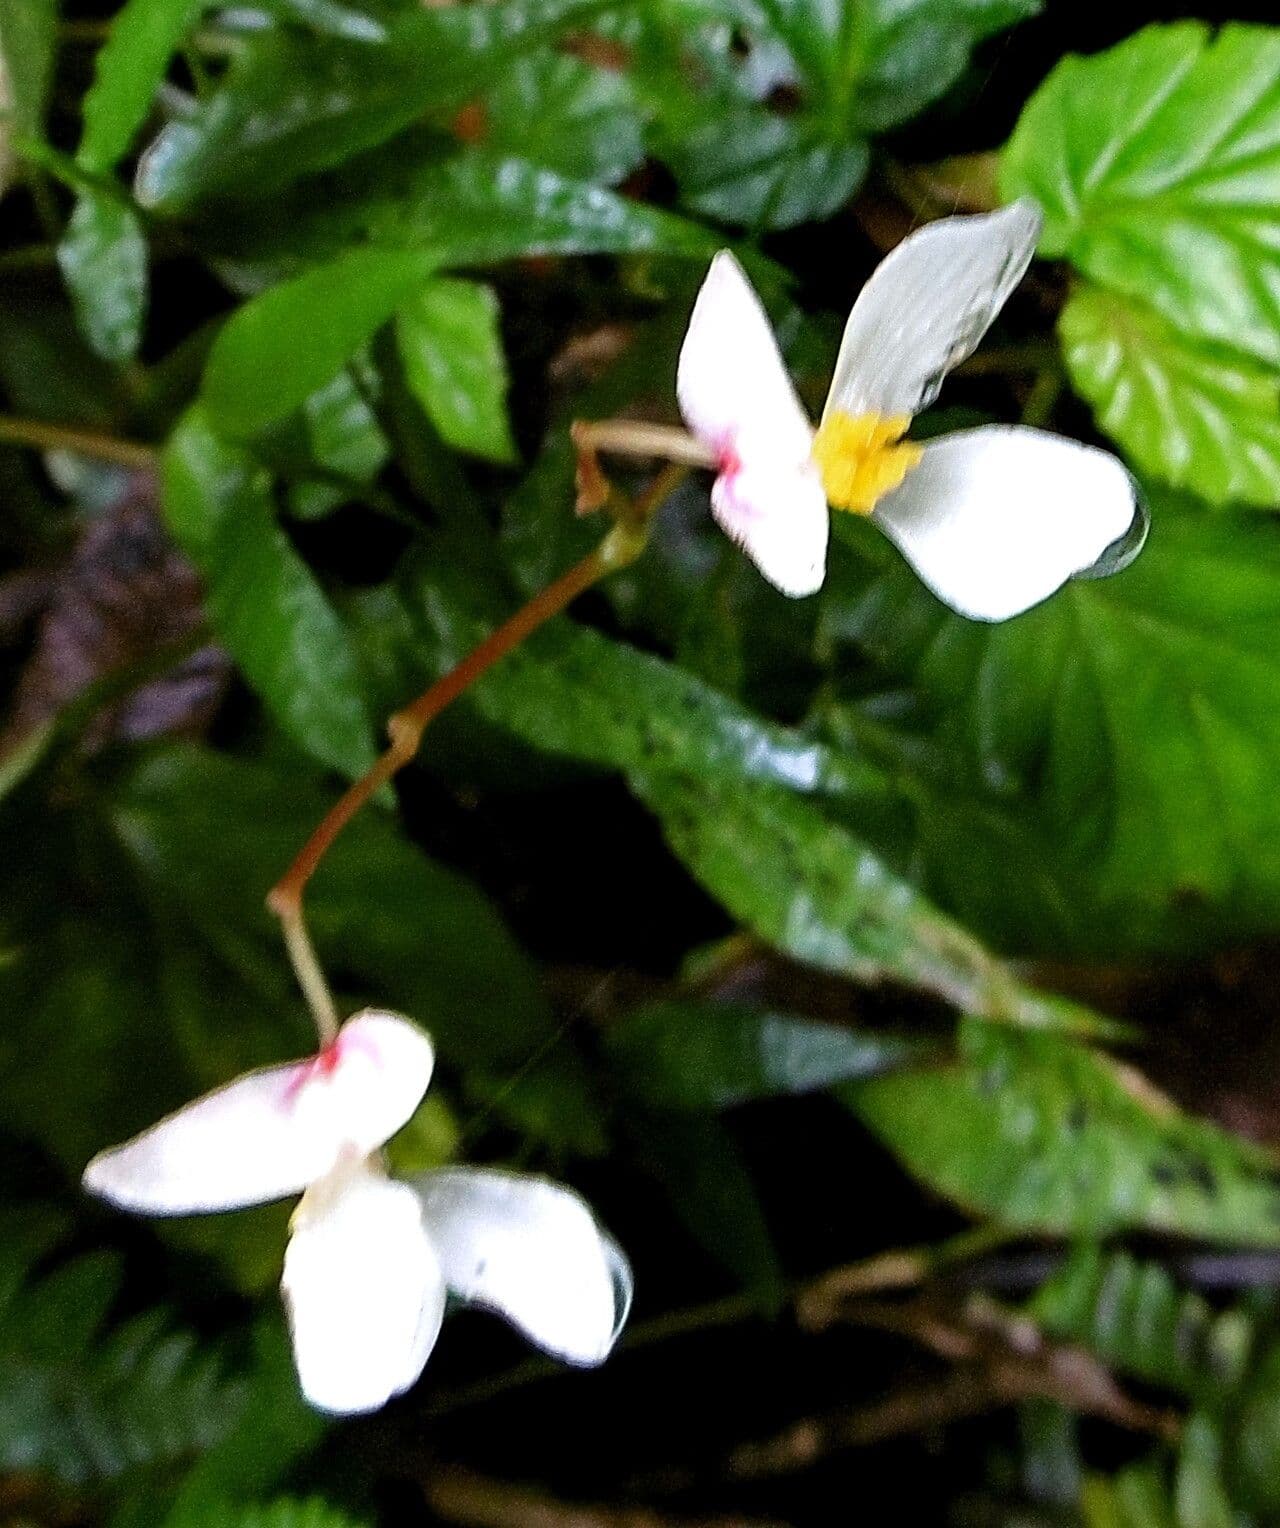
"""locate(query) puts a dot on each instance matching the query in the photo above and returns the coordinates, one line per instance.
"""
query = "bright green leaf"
(451, 348)
(263, 599)
(284, 345)
(1185, 410)
(103, 257)
(294, 103)
(1046, 1135)
(127, 72)
(1157, 164)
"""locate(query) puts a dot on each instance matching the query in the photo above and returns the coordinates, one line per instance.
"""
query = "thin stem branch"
(311, 979)
(40, 436)
(621, 546)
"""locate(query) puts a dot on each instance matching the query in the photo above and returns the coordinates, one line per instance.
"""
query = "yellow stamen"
(862, 457)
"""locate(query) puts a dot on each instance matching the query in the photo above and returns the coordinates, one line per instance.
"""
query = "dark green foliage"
(718, 905)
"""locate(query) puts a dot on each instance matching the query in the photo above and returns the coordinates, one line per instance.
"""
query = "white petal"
(363, 1289)
(271, 1132)
(380, 1069)
(778, 515)
(926, 307)
(532, 1251)
(733, 388)
(994, 520)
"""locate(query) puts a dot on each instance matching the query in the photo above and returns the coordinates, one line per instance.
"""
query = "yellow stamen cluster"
(862, 457)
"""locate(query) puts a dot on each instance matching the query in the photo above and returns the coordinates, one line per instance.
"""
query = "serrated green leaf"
(690, 1055)
(753, 167)
(451, 348)
(869, 65)
(556, 110)
(292, 103)
(1133, 1316)
(262, 598)
(286, 344)
(103, 259)
(1157, 164)
(127, 72)
(1043, 1134)
(86, 1405)
(1195, 414)
(1106, 754)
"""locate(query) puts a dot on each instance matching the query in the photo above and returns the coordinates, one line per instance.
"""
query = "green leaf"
(103, 258)
(556, 110)
(28, 33)
(284, 345)
(293, 103)
(84, 1404)
(1134, 1317)
(127, 72)
(690, 1055)
(1107, 753)
(809, 888)
(451, 348)
(1157, 164)
(764, 171)
(262, 598)
(1193, 413)
(868, 65)
(730, 789)
(1043, 1134)
(476, 208)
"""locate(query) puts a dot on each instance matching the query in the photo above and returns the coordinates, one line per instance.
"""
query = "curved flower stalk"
(993, 519)
(370, 1260)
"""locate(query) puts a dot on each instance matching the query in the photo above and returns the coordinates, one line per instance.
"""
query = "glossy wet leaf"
(263, 600)
(1105, 754)
(103, 258)
(1195, 414)
(558, 111)
(1049, 1136)
(292, 103)
(286, 344)
(476, 207)
(1157, 164)
(451, 349)
(686, 1054)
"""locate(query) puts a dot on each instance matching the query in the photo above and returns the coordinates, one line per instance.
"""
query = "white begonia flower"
(370, 1260)
(992, 519)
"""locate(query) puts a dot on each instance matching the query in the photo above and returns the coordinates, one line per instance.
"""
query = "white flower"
(370, 1260)
(992, 519)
